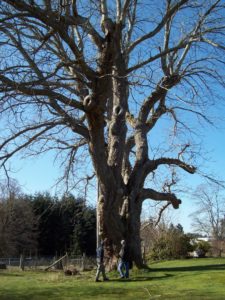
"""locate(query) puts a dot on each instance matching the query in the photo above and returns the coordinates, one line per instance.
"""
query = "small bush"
(201, 248)
(171, 243)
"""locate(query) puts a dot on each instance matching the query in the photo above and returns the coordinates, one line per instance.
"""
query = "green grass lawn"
(180, 279)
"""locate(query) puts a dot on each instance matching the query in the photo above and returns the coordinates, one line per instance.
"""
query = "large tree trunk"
(119, 218)
(134, 235)
(118, 206)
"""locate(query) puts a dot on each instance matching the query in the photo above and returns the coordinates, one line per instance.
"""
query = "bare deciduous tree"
(18, 224)
(101, 77)
(209, 216)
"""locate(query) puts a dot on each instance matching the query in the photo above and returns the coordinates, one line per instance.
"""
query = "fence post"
(83, 262)
(22, 262)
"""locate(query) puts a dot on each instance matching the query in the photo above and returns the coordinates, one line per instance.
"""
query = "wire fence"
(79, 262)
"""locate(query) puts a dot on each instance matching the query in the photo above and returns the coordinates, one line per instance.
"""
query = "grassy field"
(183, 279)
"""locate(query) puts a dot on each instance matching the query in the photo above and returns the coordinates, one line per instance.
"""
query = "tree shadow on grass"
(44, 293)
(216, 267)
(59, 293)
(10, 275)
(142, 278)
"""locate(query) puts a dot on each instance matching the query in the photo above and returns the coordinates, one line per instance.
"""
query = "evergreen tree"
(65, 225)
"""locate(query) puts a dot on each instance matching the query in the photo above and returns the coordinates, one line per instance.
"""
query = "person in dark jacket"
(100, 263)
(123, 266)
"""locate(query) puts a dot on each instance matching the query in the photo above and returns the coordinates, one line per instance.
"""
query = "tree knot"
(89, 102)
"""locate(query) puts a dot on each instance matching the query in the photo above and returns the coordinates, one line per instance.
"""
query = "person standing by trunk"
(100, 263)
(124, 258)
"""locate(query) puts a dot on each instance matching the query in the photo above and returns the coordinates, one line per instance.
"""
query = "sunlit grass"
(180, 279)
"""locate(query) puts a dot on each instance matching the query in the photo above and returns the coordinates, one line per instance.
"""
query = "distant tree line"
(44, 225)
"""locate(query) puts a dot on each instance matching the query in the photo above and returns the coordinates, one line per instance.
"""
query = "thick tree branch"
(157, 196)
(126, 167)
(118, 10)
(152, 165)
(126, 5)
(131, 18)
(167, 33)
